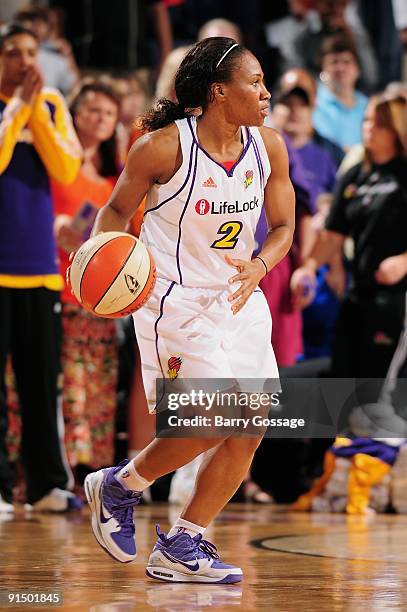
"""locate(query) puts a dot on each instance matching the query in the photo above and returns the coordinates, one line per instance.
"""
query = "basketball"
(112, 274)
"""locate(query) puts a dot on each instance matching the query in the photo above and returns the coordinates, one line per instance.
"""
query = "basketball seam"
(85, 268)
(154, 277)
(116, 277)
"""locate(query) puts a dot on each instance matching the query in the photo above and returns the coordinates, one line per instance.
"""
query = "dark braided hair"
(194, 79)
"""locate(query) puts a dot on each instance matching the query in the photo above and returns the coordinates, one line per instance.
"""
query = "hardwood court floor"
(299, 562)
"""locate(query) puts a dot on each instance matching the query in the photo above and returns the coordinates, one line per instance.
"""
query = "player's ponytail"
(210, 61)
(164, 113)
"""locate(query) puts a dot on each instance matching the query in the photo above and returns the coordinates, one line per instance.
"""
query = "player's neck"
(216, 134)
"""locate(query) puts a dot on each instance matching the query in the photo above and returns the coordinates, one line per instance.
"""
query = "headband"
(225, 54)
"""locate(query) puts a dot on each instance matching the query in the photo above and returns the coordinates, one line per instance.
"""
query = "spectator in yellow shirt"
(36, 140)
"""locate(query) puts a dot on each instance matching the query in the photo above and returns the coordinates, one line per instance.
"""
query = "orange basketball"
(112, 274)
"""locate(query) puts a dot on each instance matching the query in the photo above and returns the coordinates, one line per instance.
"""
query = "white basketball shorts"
(191, 332)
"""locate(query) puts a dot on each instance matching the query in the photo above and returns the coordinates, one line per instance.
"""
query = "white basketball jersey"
(205, 211)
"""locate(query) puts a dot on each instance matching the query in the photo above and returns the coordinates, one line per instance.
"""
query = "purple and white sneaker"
(182, 558)
(112, 512)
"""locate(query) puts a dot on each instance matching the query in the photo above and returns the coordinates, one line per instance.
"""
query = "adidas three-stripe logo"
(209, 183)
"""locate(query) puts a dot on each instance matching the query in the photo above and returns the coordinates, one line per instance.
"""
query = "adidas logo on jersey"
(209, 183)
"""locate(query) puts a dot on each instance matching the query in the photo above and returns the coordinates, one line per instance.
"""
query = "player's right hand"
(249, 275)
(303, 286)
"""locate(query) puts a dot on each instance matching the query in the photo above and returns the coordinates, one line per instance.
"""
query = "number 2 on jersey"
(230, 232)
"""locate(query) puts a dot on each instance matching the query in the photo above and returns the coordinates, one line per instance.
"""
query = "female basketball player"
(206, 178)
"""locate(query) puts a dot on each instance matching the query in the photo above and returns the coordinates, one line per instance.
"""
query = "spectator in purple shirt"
(318, 164)
(300, 78)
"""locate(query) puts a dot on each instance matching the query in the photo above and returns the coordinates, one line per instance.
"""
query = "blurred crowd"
(75, 77)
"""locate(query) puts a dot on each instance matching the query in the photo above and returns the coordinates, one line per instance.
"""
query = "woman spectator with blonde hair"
(370, 205)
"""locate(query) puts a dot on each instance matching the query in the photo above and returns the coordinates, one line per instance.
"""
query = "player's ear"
(218, 91)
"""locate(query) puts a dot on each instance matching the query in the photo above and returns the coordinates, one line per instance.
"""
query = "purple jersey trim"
(182, 186)
(183, 213)
(164, 297)
(227, 172)
(259, 163)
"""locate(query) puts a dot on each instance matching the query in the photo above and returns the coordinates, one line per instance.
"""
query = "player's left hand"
(249, 275)
(391, 270)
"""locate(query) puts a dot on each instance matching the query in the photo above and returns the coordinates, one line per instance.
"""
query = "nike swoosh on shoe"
(193, 568)
(103, 518)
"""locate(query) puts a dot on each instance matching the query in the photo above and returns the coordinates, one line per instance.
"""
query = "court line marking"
(260, 543)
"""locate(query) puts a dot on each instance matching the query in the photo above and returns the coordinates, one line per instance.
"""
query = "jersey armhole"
(261, 154)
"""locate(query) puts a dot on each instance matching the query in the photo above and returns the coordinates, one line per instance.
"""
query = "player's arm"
(152, 159)
(279, 201)
(54, 137)
(279, 204)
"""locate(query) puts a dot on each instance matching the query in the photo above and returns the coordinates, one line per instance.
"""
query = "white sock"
(131, 479)
(186, 527)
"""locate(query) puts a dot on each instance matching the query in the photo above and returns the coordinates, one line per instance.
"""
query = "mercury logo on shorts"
(174, 365)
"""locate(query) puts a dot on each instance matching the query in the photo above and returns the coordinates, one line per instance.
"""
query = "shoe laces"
(199, 547)
(206, 547)
(123, 512)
